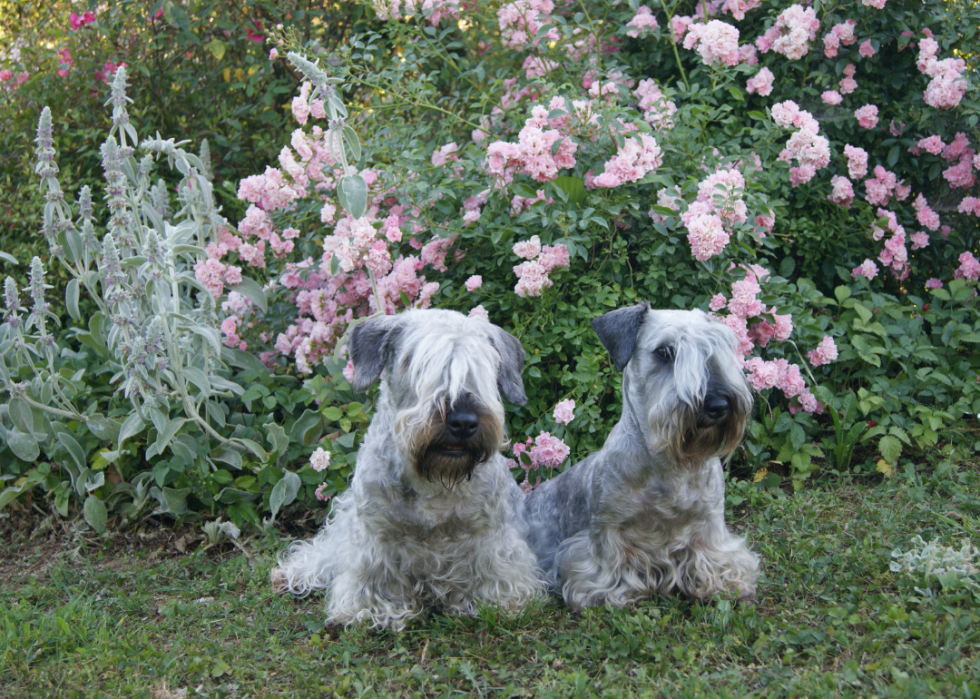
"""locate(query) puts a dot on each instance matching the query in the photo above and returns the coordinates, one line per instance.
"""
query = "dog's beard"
(441, 458)
(692, 438)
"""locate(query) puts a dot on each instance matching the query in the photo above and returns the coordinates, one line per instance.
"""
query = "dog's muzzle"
(462, 437)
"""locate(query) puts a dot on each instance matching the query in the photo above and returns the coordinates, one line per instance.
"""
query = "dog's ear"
(369, 348)
(617, 331)
(511, 366)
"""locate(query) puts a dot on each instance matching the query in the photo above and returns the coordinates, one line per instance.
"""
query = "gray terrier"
(432, 518)
(645, 515)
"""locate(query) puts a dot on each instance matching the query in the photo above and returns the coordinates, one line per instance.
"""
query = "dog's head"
(442, 375)
(680, 373)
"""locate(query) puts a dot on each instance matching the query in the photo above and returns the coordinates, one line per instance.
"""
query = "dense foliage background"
(807, 172)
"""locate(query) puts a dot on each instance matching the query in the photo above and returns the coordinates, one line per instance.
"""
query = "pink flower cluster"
(867, 116)
(857, 161)
(969, 267)
(744, 306)
(434, 10)
(969, 205)
(825, 352)
(716, 41)
(961, 174)
(564, 412)
(932, 144)
(810, 150)
(867, 269)
(64, 60)
(302, 107)
(534, 153)
(633, 160)
(883, 185)
(925, 215)
(657, 109)
(843, 191)
(894, 254)
(709, 218)
(848, 84)
(642, 23)
(521, 21)
(545, 450)
(761, 83)
(446, 154)
(795, 28)
(532, 275)
(948, 85)
(831, 97)
(77, 21)
(841, 35)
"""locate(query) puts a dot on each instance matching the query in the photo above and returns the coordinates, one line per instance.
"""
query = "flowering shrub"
(557, 174)
(530, 164)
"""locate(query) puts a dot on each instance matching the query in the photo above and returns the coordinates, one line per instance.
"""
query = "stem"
(54, 411)
(673, 44)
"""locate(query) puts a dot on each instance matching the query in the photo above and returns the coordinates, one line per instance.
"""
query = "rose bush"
(807, 174)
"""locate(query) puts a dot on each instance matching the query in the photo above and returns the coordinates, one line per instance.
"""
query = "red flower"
(77, 22)
(256, 36)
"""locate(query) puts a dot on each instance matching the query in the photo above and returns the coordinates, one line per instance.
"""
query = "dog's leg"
(719, 564)
(375, 594)
(507, 571)
(310, 565)
(595, 572)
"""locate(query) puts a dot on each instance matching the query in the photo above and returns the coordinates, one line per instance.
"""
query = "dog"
(644, 515)
(433, 518)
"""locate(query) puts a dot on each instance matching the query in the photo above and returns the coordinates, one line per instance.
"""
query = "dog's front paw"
(280, 583)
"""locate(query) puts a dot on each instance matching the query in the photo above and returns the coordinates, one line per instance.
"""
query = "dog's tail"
(306, 566)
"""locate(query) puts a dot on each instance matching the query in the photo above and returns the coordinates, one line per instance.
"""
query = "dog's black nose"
(715, 407)
(462, 424)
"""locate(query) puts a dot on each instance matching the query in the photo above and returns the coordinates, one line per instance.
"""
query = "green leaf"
(284, 492)
(232, 495)
(73, 448)
(167, 433)
(198, 378)
(307, 428)
(209, 334)
(736, 93)
(105, 429)
(354, 189)
(95, 513)
(170, 500)
(217, 48)
(277, 437)
(253, 290)
(254, 448)
(663, 210)
(192, 250)
(863, 312)
(21, 415)
(893, 156)
(890, 448)
(758, 116)
(573, 187)
(132, 426)
(842, 293)
(71, 299)
(353, 142)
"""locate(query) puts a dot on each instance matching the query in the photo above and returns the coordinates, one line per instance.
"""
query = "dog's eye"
(665, 352)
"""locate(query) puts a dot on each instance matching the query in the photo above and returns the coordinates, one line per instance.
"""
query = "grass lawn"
(131, 615)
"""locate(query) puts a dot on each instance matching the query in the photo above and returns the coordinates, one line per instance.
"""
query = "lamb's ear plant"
(144, 332)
